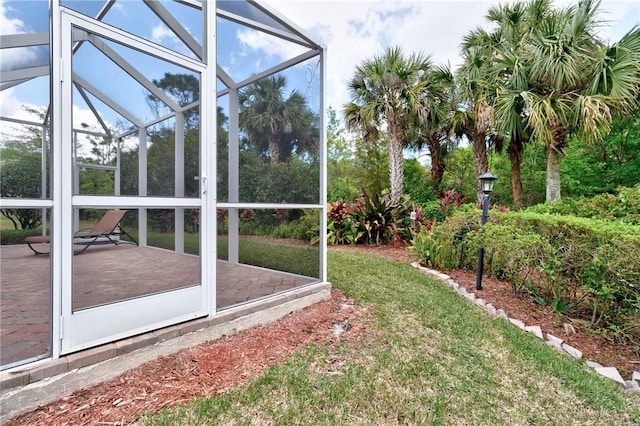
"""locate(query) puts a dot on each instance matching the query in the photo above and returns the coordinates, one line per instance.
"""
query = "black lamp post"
(487, 180)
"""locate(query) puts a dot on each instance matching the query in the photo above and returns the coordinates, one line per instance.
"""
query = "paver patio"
(104, 274)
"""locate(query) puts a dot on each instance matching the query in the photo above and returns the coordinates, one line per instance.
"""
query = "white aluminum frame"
(69, 330)
(102, 324)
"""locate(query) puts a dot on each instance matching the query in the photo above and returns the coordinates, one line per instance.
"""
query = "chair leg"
(122, 231)
(36, 252)
(86, 246)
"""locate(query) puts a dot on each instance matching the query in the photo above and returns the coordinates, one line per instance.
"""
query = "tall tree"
(276, 125)
(184, 89)
(475, 116)
(341, 170)
(436, 131)
(577, 83)
(515, 24)
(388, 95)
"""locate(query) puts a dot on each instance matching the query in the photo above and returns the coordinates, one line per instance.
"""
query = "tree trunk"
(480, 160)
(514, 150)
(396, 170)
(553, 175)
(437, 163)
(274, 151)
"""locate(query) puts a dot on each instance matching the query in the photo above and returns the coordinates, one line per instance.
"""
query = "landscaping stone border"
(611, 373)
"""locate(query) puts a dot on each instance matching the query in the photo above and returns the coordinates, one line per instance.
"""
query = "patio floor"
(104, 274)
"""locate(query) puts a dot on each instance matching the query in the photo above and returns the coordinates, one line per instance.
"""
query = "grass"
(431, 358)
(295, 259)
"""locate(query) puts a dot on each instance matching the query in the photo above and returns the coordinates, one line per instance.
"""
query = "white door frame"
(102, 324)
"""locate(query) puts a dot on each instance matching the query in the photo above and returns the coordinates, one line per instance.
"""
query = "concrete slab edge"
(632, 385)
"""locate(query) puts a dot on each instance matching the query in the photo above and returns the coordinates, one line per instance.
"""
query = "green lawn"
(295, 259)
(432, 358)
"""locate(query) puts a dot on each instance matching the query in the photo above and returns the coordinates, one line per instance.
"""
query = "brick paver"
(106, 274)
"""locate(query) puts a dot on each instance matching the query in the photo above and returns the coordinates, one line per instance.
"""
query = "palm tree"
(389, 94)
(436, 131)
(275, 125)
(475, 116)
(576, 82)
(515, 25)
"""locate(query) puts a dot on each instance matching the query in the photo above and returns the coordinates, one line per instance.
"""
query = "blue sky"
(352, 31)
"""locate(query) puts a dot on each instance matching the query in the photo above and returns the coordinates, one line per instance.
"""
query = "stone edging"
(632, 385)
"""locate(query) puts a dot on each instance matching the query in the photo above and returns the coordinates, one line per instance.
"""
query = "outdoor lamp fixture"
(487, 180)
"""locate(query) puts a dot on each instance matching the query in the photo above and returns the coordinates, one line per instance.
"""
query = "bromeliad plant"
(340, 226)
(373, 220)
(379, 219)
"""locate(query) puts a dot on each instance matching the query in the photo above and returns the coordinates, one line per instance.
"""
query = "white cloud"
(11, 106)
(164, 36)
(267, 45)
(7, 25)
(13, 58)
(356, 30)
(160, 33)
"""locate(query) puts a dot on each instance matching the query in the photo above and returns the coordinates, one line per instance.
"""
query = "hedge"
(586, 268)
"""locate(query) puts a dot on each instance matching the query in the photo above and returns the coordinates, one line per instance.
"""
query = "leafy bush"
(379, 220)
(623, 206)
(340, 227)
(17, 236)
(583, 267)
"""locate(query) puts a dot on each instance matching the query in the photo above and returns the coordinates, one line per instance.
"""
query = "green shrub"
(623, 206)
(514, 255)
(583, 267)
(447, 244)
(17, 236)
(305, 228)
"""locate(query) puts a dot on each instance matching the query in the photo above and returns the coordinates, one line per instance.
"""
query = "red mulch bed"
(211, 368)
(203, 370)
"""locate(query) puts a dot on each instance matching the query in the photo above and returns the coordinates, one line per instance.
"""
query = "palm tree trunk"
(480, 160)
(553, 175)
(514, 150)
(396, 171)
(274, 151)
(437, 163)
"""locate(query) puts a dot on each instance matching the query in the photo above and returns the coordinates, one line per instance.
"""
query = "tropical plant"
(474, 119)
(436, 131)
(387, 95)
(379, 219)
(515, 24)
(340, 227)
(576, 82)
(275, 125)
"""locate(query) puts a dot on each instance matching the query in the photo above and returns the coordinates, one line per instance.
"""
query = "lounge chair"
(102, 232)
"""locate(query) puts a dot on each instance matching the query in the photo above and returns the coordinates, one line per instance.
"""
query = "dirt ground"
(211, 368)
